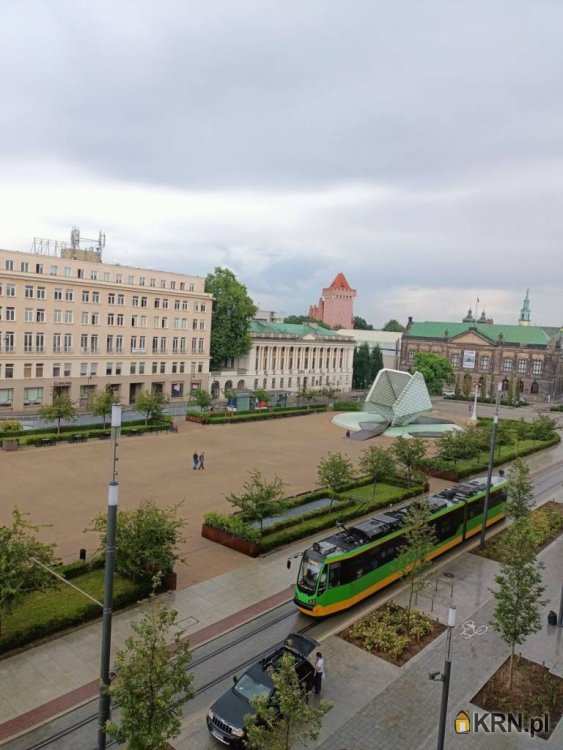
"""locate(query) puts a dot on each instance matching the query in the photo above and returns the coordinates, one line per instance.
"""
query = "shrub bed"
(546, 523)
(486, 400)
(384, 633)
(436, 467)
(255, 416)
(43, 613)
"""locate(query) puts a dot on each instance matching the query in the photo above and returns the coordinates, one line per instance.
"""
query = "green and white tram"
(357, 561)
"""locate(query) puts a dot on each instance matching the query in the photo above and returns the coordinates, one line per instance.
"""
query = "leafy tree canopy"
(61, 408)
(202, 398)
(436, 370)
(289, 723)
(393, 325)
(151, 687)
(519, 489)
(19, 575)
(259, 498)
(410, 453)
(150, 404)
(360, 324)
(101, 404)
(335, 471)
(233, 310)
(148, 540)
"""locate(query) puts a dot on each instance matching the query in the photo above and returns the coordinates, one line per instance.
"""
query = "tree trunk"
(511, 668)
(58, 425)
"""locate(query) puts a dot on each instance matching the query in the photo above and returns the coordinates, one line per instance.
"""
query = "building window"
(32, 396)
(96, 298)
(57, 370)
(485, 362)
(9, 342)
(83, 369)
(27, 370)
(535, 387)
(69, 316)
(10, 290)
(10, 313)
(24, 267)
(141, 368)
(109, 368)
(53, 270)
(120, 299)
(522, 366)
(28, 315)
(6, 396)
(28, 291)
(200, 346)
(93, 369)
(83, 318)
(177, 390)
(39, 370)
(537, 367)
(58, 294)
(9, 264)
(162, 368)
(118, 368)
(28, 342)
(39, 342)
(455, 359)
(85, 295)
(132, 368)
(505, 385)
(111, 319)
(69, 295)
(507, 365)
(111, 298)
(41, 293)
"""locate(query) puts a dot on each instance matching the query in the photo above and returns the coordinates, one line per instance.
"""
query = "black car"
(225, 718)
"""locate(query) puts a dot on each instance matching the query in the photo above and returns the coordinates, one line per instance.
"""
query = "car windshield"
(250, 689)
(309, 572)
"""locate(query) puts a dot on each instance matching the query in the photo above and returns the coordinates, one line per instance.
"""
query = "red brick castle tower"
(336, 306)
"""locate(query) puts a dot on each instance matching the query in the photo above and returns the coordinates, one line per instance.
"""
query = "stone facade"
(484, 355)
(73, 325)
(336, 306)
(289, 358)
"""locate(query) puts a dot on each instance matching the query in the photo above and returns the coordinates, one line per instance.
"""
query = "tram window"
(322, 581)
(352, 569)
(475, 508)
(334, 575)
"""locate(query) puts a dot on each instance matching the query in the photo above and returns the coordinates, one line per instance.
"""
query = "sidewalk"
(404, 713)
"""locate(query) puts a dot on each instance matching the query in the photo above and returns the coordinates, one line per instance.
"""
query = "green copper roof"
(524, 335)
(290, 329)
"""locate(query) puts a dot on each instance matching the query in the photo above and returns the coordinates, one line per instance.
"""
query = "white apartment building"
(71, 324)
(288, 357)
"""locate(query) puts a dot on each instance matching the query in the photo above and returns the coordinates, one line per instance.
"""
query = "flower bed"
(384, 633)
(38, 438)
(546, 523)
(291, 529)
(74, 428)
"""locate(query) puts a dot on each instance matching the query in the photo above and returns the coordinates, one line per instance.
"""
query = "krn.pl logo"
(462, 723)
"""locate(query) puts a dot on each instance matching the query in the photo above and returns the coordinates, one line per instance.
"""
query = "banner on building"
(469, 360)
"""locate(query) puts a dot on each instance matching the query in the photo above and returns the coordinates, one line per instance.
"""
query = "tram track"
(68, 731)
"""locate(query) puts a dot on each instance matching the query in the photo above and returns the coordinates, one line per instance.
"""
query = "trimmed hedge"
(255, 416)
(486, 401)
(43, 613)
(346, 406)
(165, 419)
(36, 439)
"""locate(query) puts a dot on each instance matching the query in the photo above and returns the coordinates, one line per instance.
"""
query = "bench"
(45, 441)
(79, 438)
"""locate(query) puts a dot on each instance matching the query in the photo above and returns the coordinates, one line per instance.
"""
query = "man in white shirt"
(319, 673)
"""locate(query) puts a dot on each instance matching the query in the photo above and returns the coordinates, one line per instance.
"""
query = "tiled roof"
(511, 334)
(340, 282)
(291, 329)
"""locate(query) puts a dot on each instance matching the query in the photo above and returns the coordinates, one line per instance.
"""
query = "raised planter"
(170, 582)
(251, 549)
(10, 444)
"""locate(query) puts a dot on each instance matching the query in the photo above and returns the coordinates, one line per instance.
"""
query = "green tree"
(61, 408)
(375, 363)
(377, 463)
(436, 370)
(304, 320)
(148, 540)
(335, 471)
(360, 324)
(150, 404)
(290, 720)
(232, 312)
(101, 403)
(393, 325)
(518, 596)
(361, 367)
(519, 489)
(152, 682)
(413, 556)
(19, 574)
(261, 395)
(259, 498)
(410, 453)
(202, 398)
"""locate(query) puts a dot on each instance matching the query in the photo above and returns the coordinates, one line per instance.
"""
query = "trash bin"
(552, 618)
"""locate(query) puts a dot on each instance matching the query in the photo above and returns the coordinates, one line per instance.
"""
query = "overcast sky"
(416, 146)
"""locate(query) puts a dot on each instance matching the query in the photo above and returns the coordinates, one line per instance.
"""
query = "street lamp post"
(474, 412)
(490, 469)
(113, 498)
(444, 677)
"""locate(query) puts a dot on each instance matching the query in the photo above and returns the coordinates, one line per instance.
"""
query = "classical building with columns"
(524, 359)
(290, 358)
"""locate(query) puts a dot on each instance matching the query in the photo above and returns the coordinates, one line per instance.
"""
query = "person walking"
(201, 461)
(319, 673)
(195, 461)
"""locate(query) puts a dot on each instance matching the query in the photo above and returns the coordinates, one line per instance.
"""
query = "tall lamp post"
(490, 469)
(444, 678)
(474, 412)
(113, 497)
